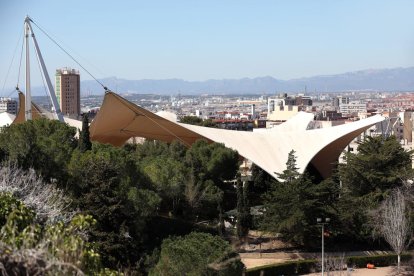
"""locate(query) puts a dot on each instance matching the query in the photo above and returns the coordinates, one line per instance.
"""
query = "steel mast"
(28, 98)
(51, 90)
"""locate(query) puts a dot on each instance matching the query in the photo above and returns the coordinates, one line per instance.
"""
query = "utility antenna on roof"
(51, 90)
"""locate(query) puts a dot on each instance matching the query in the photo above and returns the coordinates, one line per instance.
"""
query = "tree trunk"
(398, 264)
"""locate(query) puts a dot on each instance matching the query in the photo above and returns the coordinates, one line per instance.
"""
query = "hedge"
(377, 260)
(309, 266)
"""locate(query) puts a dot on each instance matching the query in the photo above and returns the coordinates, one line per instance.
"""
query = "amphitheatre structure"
(119, 120)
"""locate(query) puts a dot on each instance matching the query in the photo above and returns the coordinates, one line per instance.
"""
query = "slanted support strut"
(51, 90)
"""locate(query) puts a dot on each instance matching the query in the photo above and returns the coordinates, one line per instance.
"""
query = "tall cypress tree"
(243, 209)
(84, 139)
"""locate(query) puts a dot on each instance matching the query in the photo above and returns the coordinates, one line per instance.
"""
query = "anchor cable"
(11, 63)
(57, 44)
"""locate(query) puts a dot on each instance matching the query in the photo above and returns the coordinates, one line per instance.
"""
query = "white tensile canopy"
(119, 120)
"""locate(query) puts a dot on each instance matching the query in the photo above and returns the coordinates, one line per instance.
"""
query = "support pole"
(51, 90)
(323, 249)
(28, 100)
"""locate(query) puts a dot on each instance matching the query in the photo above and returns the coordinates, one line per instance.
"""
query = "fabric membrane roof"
(119, 120)
(37, 113)
(21, 116)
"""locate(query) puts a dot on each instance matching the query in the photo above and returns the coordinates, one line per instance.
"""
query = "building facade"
(352, 108)
(68, 91)
(283, 108)
(8, 105)
(339, 100)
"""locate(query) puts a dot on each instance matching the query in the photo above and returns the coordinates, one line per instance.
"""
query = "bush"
(197, 254)
(13, 209)
(378, 260)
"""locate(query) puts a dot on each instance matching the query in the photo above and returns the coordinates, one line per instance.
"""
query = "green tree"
(243, 210)
(291, 172)
(177, 150)
(191, 120)
(151, 148)
(109, 190)
(291, 207)
(367, 177)
(29, 247)
(168, 177)
(197, 254)
(261, 180)
(379, 166)
(212, 161)
(210, 165)
(45, 145)
(13, 209)
(84, 136)
(208, 123)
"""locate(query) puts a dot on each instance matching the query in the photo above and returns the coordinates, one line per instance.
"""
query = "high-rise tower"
(68, 91)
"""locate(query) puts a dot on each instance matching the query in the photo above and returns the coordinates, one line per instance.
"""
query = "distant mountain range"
(396, 79)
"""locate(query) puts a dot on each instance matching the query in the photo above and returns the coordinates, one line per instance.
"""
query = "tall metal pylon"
(51, 90)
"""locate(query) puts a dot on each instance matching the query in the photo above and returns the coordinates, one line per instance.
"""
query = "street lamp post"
(322, 222)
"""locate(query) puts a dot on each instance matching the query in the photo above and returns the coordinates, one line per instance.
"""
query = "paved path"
(251, 260)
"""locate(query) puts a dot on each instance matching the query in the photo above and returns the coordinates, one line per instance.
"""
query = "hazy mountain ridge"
(395, 79)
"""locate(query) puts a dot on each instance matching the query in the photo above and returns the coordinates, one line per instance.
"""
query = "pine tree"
(291, 173)
(292, 206)
(84, 139)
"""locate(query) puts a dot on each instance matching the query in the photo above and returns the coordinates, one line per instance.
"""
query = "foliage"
(377, 168)
(121, 188)
(44, 145)
(291, 207)
(367, 177)
(291, 172)
(84, 143)
(177, 150)
(57, 248)
(13, 209)
(191, 120)
(243, 209)
(108, 187)
(209, 123)
(212, 161)
(189, 181)
(261, 179)
(194, 120)
(377, 260)
(151, 149)
(168, 177)
(197, 254)
(45, 199)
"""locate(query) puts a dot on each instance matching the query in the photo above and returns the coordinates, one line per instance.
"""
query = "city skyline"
(214, 40)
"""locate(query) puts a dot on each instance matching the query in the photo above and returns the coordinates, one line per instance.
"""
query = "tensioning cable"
(57, 44)
(11, 63)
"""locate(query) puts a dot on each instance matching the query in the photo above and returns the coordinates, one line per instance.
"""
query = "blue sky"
(200, 40)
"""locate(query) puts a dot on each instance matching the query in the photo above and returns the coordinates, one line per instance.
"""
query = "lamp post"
(322, 222)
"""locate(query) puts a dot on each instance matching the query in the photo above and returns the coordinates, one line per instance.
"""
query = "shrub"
(378, 260)
(197, 254)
